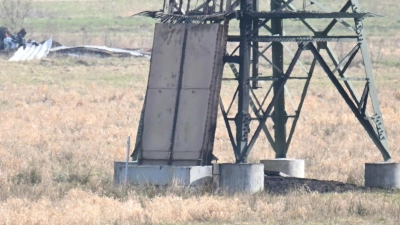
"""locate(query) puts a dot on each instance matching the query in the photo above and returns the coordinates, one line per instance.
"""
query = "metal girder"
(302, 97)
(255, 46)
(362, 105)
(375, 136)
(242, 117)
(261, 115)
(346, 60)
(277, 93)
(266, 20)
(279, 116)
(236, 38)
(376, 124)
(300, 105)
(342, 73)
(333, 23)
(253, 107)
(310, 15)
(377, 117)
(228, 126)
(202, 5)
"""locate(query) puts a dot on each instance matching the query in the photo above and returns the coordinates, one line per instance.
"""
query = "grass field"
(64, 121)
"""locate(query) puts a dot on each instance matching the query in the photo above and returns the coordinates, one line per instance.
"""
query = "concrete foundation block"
(162, 175)
(382, 175)
(234, 178)
(291, 167)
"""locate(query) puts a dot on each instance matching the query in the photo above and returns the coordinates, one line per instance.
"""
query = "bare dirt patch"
(285, 185)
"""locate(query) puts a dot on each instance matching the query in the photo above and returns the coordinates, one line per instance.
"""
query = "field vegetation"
(65, 120)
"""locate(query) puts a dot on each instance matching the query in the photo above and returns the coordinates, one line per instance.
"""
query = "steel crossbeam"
(310, 15)
(359, 113)
(233, 38)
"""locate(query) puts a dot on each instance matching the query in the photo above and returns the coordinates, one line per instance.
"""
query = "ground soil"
(284, 185)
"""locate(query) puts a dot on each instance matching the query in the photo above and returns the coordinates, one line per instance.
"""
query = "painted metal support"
(308, 15)
(302, 99)
(279, 115)
(381, 140)
(354, 38)
(242, 117)
(376, 137)
(255, 48)
(278, 92)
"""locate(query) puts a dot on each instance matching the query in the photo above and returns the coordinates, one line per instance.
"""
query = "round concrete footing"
(382, 175)
(291, 167)
(234, 178)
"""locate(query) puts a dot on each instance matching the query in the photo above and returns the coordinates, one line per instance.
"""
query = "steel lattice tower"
(244, 61)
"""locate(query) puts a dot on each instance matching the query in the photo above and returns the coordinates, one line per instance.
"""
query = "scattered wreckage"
(11, 41)
(28, 50)
(99, 51)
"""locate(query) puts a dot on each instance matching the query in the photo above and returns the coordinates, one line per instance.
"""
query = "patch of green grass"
(390, 63)
(110, 22)
(67, 72)
(91, 24)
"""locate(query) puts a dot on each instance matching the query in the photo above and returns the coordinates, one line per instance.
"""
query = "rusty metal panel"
(200, 84)
(158, 121)
(161, 96)
(191, 122)
(179, 130)
(166, 56)
(200, 56)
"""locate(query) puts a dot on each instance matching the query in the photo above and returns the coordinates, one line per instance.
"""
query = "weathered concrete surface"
(162, 175)
(235, 178)
(182, 97)
(382, 175)
(291, 167)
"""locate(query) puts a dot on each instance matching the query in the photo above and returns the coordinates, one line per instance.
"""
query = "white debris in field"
(42, 50)
(98, 50)
(31, 51)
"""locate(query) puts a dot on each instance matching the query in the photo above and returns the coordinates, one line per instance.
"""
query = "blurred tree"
(13, 13)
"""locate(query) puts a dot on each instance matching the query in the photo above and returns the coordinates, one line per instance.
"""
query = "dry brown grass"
(81, 207)
(64, 122)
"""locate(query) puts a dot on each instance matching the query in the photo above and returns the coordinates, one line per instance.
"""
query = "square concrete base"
(162, 175)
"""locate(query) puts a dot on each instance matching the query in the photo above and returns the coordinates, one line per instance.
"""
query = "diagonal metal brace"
(364, 122)
(255, 110)
(267, 113)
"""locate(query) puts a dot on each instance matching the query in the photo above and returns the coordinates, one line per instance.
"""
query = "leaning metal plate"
(162, 90)
(200, 56)
(158, 123)
(184, 62)
(195, 104)
(166, 56)
(191, 123)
